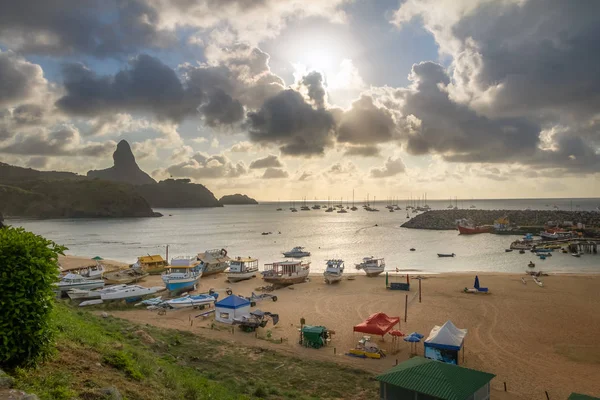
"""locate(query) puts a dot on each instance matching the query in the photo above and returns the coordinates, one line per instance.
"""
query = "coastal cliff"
(446, 219)
(236, 199)
(178, 193)
(72, 198)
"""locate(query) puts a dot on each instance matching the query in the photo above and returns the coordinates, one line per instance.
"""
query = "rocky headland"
(446, 219)
(125, 168)
(178, 193)
(237, 199)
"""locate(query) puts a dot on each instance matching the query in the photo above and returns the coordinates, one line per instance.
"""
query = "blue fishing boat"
(184, 273)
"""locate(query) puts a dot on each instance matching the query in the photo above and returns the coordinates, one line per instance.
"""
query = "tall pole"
(419, 290)
(167, 253)
(405, 307)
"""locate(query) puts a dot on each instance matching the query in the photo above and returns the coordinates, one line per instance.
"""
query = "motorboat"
(192, 300)
(81, 294)
(576, 255)
(296, 252)
(184, 273)
(75, 281)
(333, 271)
(93, 271)
(531, 264)
(446, 255)
(242, 268)
(466, 227)
(286, 272)
(130, 292)
(508, 250)
(372, 266)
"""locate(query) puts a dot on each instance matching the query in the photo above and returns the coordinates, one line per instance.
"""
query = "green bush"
(123, 361)
(28, 270)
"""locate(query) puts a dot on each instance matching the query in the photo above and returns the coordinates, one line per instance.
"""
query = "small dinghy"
(531, 265)
(576, 255)
(192, 301)
(446, 255)
(90, 302)
(538, 282)
(508, 250)
(524, 281)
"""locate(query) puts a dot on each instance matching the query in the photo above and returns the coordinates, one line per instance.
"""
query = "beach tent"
(444, 343)
(231, 307)
(377, 324)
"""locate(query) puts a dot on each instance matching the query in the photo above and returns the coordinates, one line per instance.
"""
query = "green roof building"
(424, 379)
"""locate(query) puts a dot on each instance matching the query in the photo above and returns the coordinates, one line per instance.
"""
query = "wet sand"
(533, 338)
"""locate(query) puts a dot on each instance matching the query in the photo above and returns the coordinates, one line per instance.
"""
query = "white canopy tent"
(444, 342)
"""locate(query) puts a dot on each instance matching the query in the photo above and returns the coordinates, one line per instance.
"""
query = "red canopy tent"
(377, 324)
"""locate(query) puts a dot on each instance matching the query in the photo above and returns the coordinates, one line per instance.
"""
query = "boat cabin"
(373, 262)
(285, 268)
(334, 266)
(151, 262)
(214, 261)
(241, 264)
(183, 266)
(70, 279)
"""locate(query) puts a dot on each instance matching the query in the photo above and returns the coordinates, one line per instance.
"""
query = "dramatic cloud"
(96, 27)
(202, 166)
(63, 142)
(270, 161)
(275, 173)
(314, 86)
(366, 124)
(242, 147)
(340, 169)
(286, 119)
(392, 167)
(19, 79)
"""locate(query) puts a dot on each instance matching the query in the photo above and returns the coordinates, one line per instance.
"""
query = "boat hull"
(181, 285)
(286, 279)
(296, 255)
(124, 277)
(332, 278)
(241, 276)
(125, 294)
(192, 301)
(78, 294)
(82, 286)
(212, 269)
(465, 230)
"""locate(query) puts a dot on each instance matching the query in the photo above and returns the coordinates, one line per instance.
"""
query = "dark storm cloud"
(270, 161)
(95, 27)
(541, 54)
(286, 119)
(314, 84)
(435, 123)
(392, 167)
(221, 109)
(149, 85)
(275, 173)
(366, 124)
(19, 79)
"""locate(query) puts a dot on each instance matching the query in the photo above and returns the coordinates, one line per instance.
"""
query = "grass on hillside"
(145, 362)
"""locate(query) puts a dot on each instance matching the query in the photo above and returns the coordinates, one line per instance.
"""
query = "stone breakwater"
(446, 219)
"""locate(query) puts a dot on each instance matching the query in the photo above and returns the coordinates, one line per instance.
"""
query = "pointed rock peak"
(123, 156)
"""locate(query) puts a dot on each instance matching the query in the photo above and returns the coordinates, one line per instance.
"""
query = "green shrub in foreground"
(28, 270)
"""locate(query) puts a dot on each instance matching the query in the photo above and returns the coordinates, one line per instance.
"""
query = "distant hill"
(11, 173)
(237, 199)
(178, 193)
(125, 169)
(71, 198)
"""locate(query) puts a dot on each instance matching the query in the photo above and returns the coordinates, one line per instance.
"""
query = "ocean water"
(350, 237)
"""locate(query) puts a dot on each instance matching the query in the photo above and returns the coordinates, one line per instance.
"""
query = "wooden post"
(547, 396)
(420, 290)
(167, 259)
(334, 350)
(405, 307)
(505, 386)
(396, 361)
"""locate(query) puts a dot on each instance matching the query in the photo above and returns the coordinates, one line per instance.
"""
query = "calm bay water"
(350, 236)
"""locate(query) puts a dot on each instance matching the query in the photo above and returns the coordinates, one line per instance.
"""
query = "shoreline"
(507, 329)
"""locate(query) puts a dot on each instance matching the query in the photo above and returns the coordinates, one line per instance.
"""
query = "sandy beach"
(69, 263)
(533, 338)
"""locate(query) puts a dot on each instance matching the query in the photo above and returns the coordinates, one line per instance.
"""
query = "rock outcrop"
(178, 193)
(237, 199)
(125, 168)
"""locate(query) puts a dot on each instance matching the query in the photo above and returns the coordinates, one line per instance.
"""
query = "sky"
(292, 99)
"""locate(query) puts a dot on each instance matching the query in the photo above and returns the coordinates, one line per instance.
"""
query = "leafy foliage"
(28, 269)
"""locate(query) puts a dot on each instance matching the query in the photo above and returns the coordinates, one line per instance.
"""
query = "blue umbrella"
(417, 334)
(476, 285)
(412, 339)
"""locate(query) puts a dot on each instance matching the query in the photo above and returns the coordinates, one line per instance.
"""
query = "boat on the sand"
(131, 275)
(372, 266)
(242, 268)
(81, 294)
(286, 272)
(75, 281)
(213, 261)
(333, 271)
(446, 254)
(184, 273)
(537, 281)
(130, 292)
(192, 300)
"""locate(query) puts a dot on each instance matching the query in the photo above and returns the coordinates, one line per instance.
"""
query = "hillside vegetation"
(144, 362)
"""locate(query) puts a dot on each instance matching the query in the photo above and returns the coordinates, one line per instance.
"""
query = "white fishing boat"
(93, 271)
(296, 252)
(184, 273)
(192, 301)
(286, 272)
(372, 266)
(80, 294)
(333, 271)
(75, 281)
(242, 269)
(537, 281)
(130, 292)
